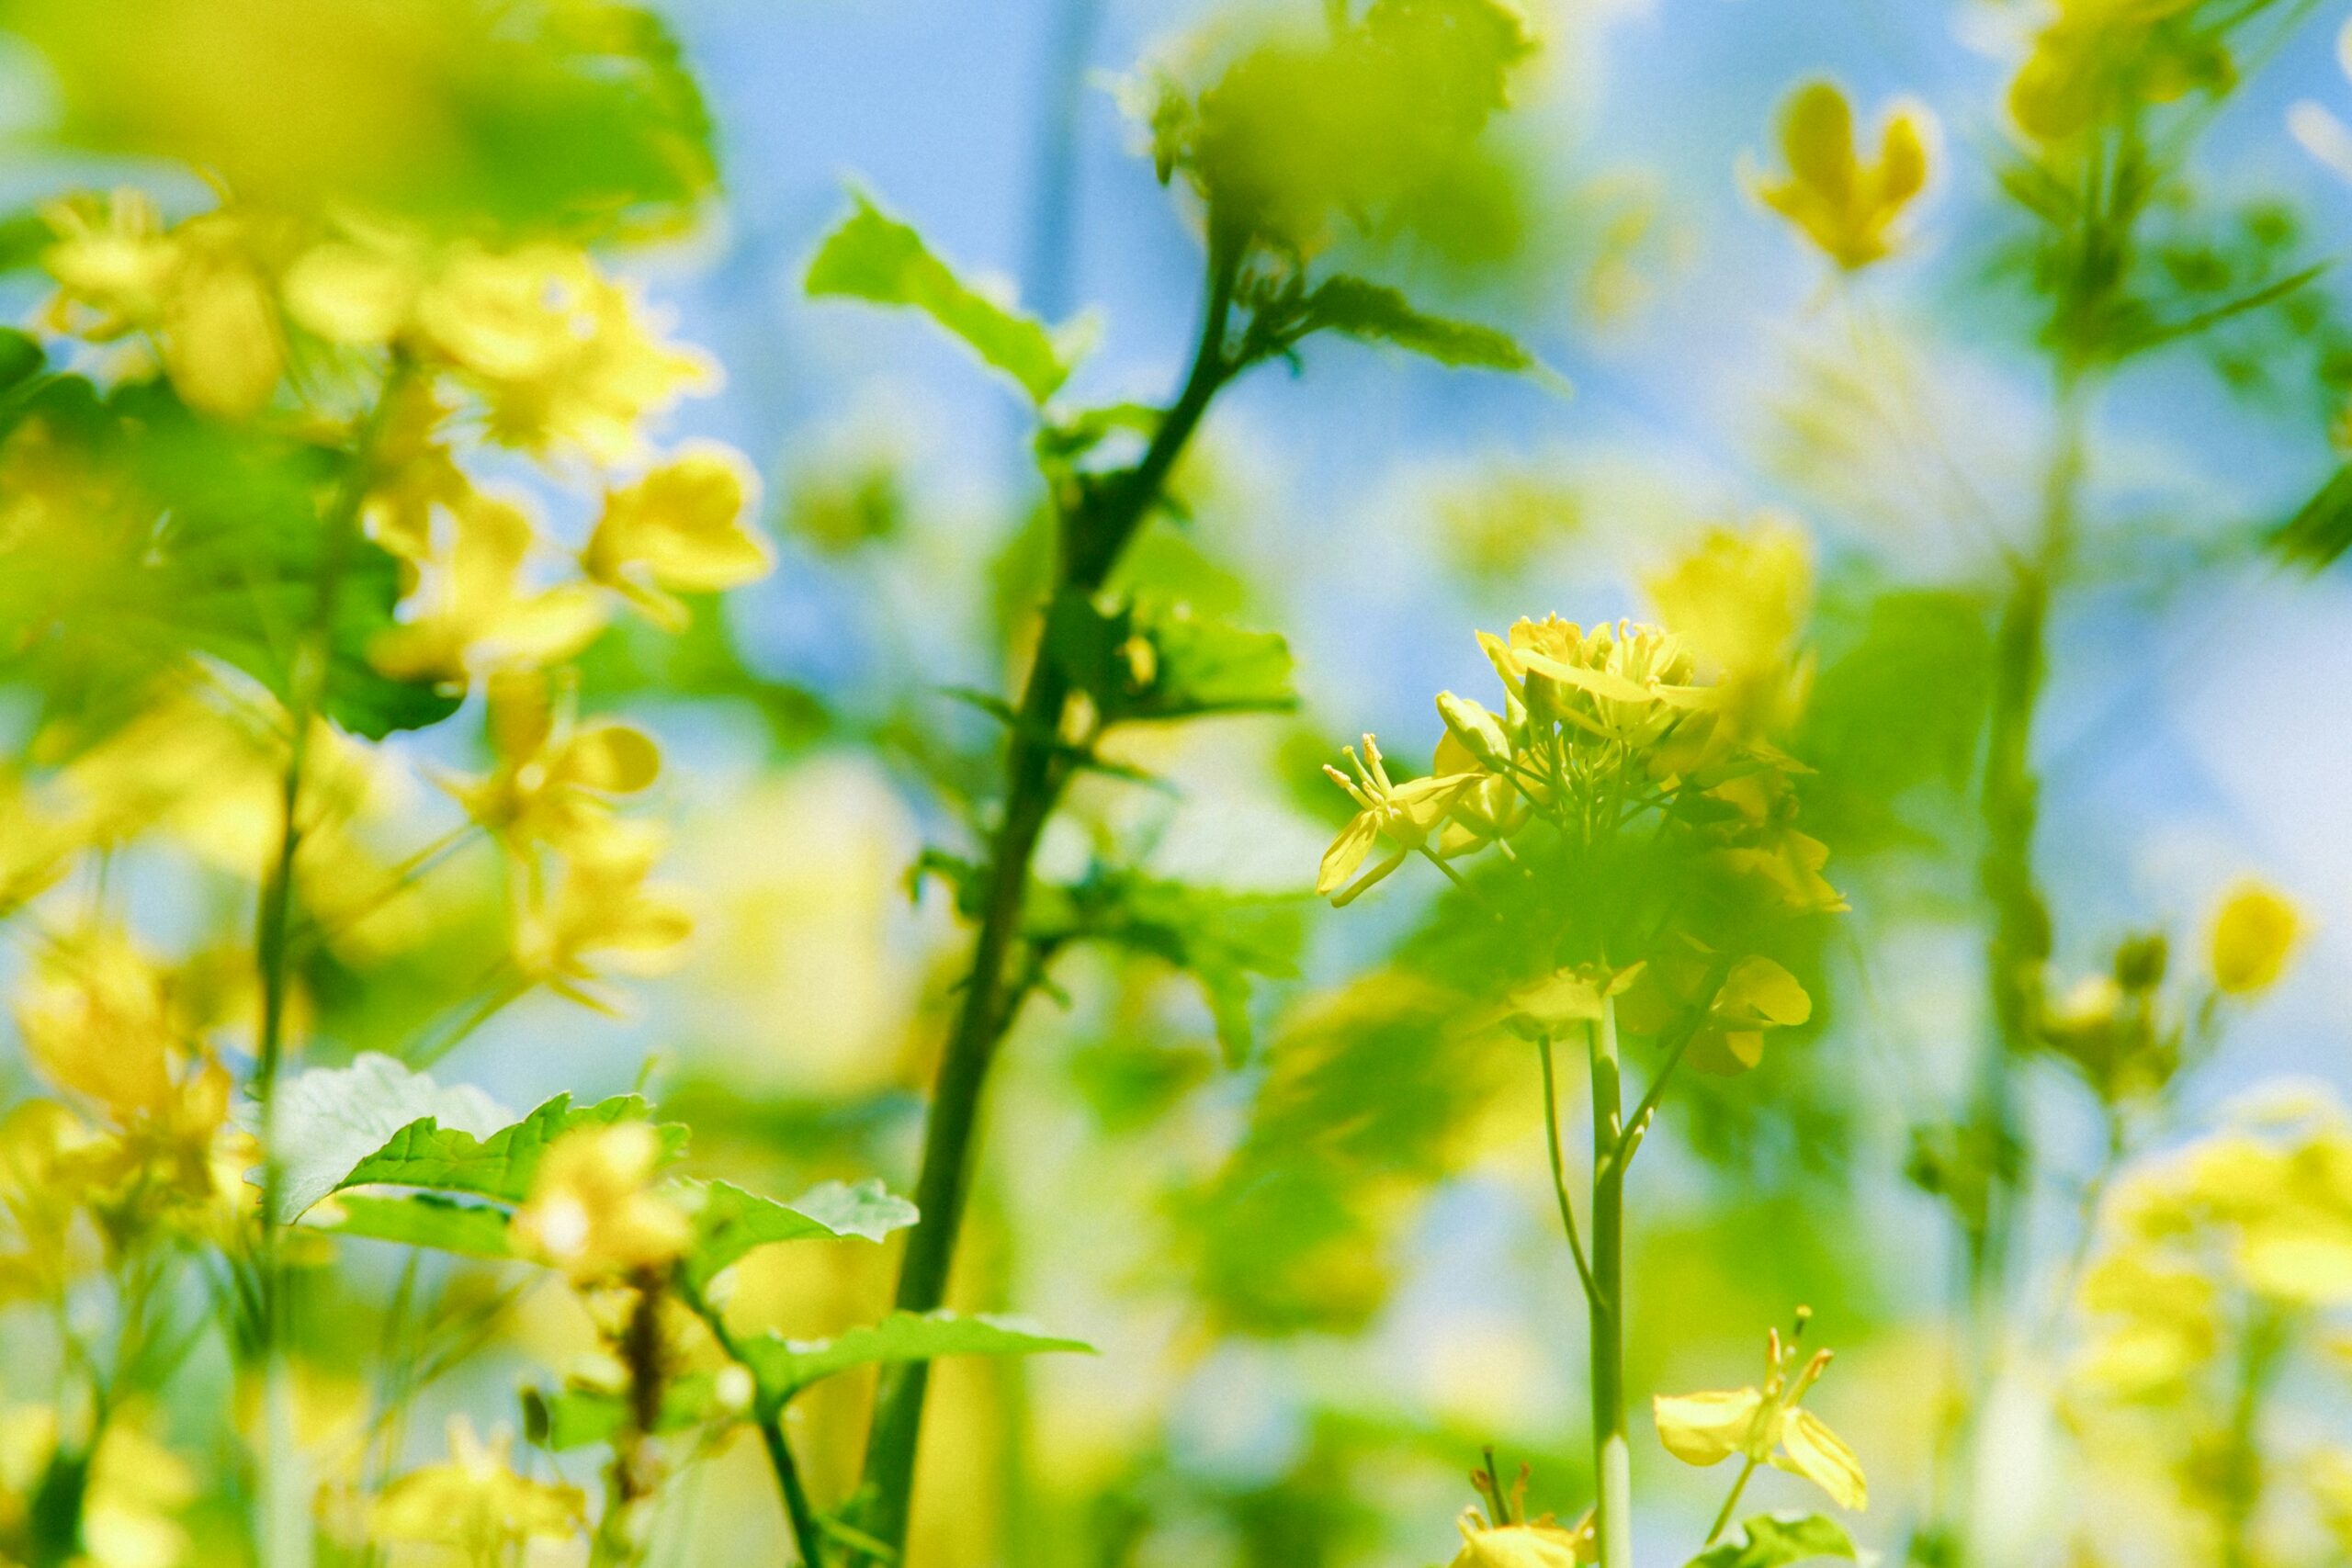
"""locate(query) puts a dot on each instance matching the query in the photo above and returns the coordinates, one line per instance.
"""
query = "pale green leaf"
(874, 256)
(329, 1120)
(729, 1222)
(1773, 1541)
(501, 1166)
(783, 1367)
(419, 1219)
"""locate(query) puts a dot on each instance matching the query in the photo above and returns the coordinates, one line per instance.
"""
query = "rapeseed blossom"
(1849, 209)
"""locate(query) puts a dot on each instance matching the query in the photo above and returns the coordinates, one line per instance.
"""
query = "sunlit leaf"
(783, 1367)
(420, 1219)
(729, 1222)
(873, 256)
(330, 1120)
(1375, 313)
(1773, 1541)
(501, 1165)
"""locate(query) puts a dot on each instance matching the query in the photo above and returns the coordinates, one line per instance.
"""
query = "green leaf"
(578, 1417)
(421, 1219)
(500, 1165)
(1223, 940)
(2321, 530)
(1154, 661)
(1375, 313)
(783, 1367)
(874, 256)
(329, 1120)
(1771, 1541)
(729, 1222)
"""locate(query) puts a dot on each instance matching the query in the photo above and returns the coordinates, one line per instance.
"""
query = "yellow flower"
(1407, 814)
(563, 357)
(98, 1020)
(1740, 599)
(200, 290)
(46, 1166)
(1536, 1543)
(2255, 933)
(477, 616)
(1845, 207)
(603, 915)
(474, 1502)
(553, 783)
(1766, 1426)
(1626, 683)
(679, 529)
(594, 1210)
(2097, 56)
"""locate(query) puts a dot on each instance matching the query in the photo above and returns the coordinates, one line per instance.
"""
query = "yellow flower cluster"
(2095, 60)
(474, 1504)
(142, 1138)
(2253, 1218)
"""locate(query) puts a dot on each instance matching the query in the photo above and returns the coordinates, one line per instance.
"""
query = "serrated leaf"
(501, 1166)
(579, 1417)
(1773, 1541)
(420, 1219)
(729, 1222)
(1374, 312)
(782, 1368)
(329, 1120)
(873, 256)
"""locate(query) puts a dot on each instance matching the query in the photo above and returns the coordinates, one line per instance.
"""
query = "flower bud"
(1480, 732)
(2253, 933)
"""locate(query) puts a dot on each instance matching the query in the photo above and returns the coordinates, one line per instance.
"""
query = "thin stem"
(1559, 1172)
(1723, 1516)
(1097, 522)
(1612, 1449)
(806, 1537)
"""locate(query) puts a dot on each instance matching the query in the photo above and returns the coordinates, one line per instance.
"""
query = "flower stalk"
(1612, 1449)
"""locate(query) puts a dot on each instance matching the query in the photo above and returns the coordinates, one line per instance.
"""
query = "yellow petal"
(1817, 139)
(1346, 852)
(1702, 1428)
(2254, 933)
(1758, 991)
(612, 757)
(1821, 1456)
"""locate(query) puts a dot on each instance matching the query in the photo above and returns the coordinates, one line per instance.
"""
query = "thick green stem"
(1096, 527)
(1612, 1459)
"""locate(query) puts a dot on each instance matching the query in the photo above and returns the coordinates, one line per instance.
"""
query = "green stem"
(1096, 526)
(1612, 1449)
(2242, 1477)
(1723, 1514)
(1559, 1170)
(806, 1536)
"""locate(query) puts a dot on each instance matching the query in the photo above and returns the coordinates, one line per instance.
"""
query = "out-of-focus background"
(1321, 1280)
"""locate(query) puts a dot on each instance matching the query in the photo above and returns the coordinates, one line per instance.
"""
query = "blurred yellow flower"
(2097, 57)
(564, 359)
(1766, 1426)
(200, 291)
(604, 916)
(1847, 208)
(1739, 598)
(594, 1210)
(474, 1502)
(98, 1020)
(553, 783)
(2255, 933)
(681, 529)
(474, 614)
(129, 1495)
